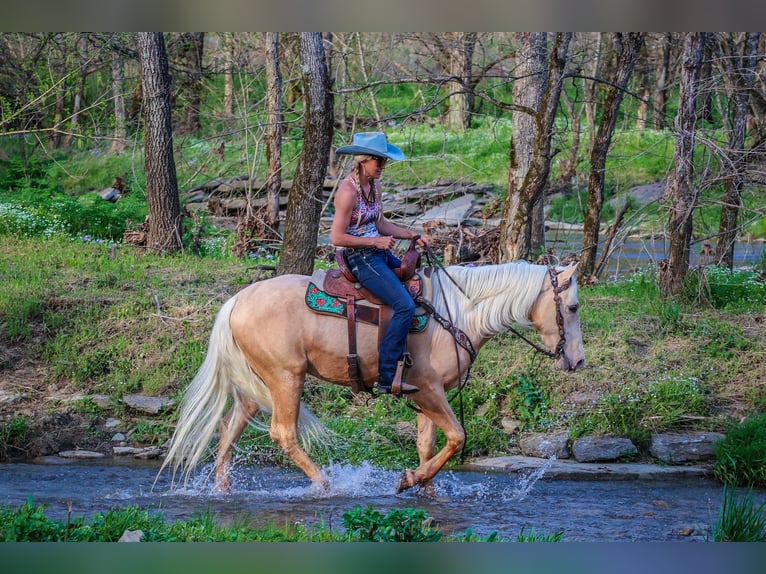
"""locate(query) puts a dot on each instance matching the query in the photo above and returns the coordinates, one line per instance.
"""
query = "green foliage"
(405, 525)
(723, 288)
(470, 537)
(529, 401)
(537, 536)
(741, 456)
(12, 434)
(29, 523)
(739, 520)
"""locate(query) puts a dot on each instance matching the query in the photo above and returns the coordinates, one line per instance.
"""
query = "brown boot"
(399, 387)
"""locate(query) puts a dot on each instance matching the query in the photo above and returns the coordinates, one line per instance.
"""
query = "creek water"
(485, 502)
(634, 254)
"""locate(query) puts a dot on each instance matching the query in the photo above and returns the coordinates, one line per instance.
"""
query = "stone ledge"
(571, 470)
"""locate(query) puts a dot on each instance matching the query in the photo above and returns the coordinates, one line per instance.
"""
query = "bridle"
(557, 291)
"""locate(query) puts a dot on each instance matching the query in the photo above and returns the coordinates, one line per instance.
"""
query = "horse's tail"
(224, 373)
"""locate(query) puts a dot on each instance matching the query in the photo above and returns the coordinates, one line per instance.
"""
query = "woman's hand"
(383, 242)
(423, 240)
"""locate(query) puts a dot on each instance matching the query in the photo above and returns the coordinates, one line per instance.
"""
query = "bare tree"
(274, 129)
(120, 120)
(460, 69)
(304, 200)
(190, 49)
(528, 91)
(661, 80)
(627, 47)
(516, 222)
(164, 217)
(681, 193)
(737, 57)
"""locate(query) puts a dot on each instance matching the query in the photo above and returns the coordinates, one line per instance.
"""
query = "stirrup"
(397, 389)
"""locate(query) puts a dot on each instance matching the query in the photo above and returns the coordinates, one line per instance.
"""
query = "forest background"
(559, 123)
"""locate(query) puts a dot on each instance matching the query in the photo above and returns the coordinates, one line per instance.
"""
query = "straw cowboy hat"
(371, 143)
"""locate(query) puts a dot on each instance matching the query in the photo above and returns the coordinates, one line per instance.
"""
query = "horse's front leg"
(437, 409)
(426, 444)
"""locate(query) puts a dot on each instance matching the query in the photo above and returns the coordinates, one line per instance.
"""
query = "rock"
(148, 453)
(510, 425)
(126, 451)
(601, 448)
(452, 213)
(9, 398)
(118, 437)
(132, 536)
(151, 405)
(101, 401)
(544, 445)
(112, 424)
(81, 454)
(686, 447)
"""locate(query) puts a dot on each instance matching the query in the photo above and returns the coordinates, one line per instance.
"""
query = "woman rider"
(360, 227)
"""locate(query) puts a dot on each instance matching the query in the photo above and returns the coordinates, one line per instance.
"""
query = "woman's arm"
(345, 202)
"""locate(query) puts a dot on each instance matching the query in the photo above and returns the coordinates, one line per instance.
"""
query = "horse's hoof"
(223, 487)
(407, 480)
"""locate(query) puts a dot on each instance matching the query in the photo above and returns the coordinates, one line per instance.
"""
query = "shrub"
(741, 456)
(739, 520)
(406, 525)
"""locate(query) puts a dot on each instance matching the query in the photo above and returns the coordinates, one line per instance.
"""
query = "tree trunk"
(274, 130)
(568, 165)
(228, 75)
(628, 46)
(305, 199)
(79, 95)
(680, 191)
(739, 65)
(191, 52)
(517, 220)
(661, 76)
(120, 121)
(161, 185)
(58, 111)
(592, 68)
(461, 69)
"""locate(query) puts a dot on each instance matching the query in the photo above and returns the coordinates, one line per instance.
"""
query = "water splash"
(527, 481)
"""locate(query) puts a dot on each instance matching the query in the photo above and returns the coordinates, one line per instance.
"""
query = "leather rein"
(557, 291)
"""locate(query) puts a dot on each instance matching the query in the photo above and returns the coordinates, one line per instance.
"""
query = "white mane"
(497, 295)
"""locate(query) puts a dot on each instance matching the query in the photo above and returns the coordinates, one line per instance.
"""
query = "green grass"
(741, 456)
(739, 519)
(29, 523)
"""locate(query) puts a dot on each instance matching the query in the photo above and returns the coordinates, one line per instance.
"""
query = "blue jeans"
(373, 268)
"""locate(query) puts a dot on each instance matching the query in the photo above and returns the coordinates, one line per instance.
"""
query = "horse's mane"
(496, 296)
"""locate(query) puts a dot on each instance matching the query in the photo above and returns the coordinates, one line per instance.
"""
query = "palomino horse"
(265, 340)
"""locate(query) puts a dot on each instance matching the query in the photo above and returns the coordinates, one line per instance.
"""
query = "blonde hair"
(356, 170)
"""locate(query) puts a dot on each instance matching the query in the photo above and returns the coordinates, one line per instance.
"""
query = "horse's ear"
(565, 276)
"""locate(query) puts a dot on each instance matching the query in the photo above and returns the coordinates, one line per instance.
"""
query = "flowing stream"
(485, 502)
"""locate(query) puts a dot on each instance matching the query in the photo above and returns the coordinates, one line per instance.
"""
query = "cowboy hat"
(371, 143)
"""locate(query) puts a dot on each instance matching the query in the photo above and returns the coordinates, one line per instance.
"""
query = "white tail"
(223, 371)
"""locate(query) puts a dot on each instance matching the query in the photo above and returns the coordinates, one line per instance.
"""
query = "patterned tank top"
(364, 216)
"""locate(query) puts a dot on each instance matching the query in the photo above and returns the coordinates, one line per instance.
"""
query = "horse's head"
(556, 316)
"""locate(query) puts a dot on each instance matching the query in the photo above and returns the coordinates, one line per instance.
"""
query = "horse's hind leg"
(230, 429)
(284, 426)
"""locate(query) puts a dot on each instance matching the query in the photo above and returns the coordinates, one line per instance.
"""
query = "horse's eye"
(574, 308)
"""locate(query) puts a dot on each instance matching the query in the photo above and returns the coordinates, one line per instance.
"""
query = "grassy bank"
(85, 318)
